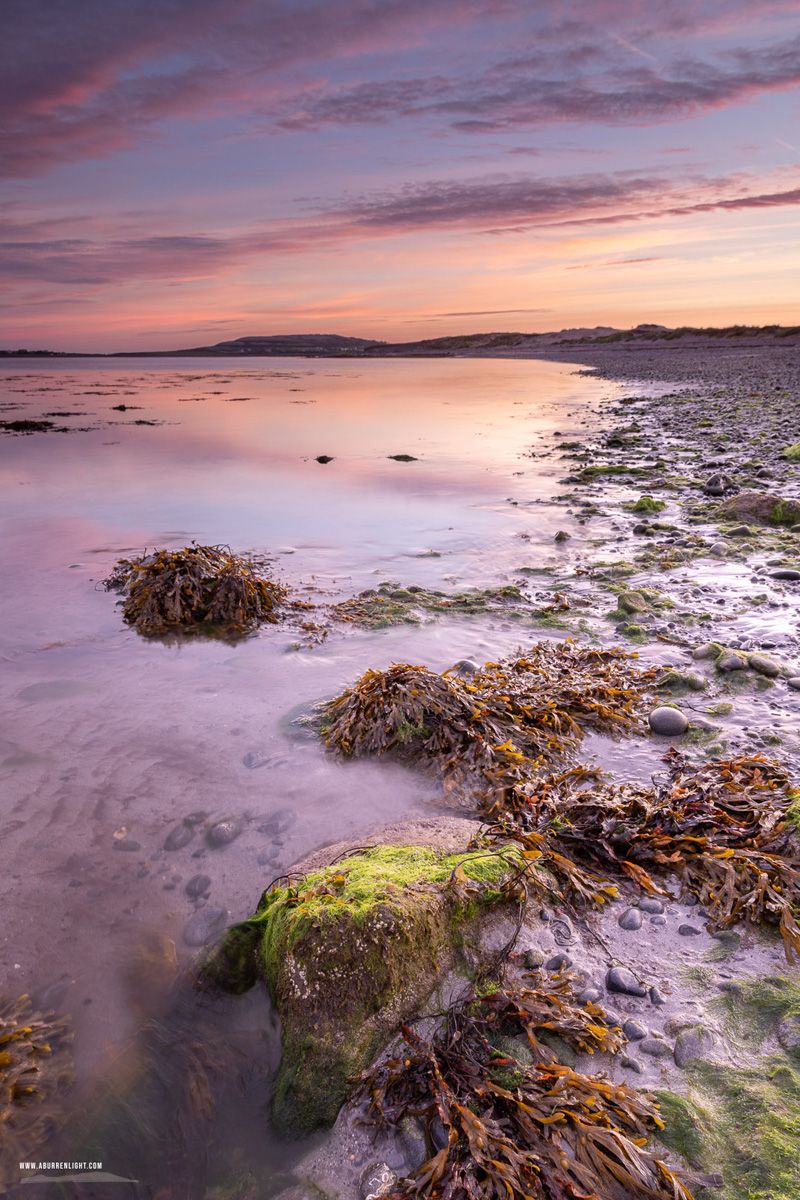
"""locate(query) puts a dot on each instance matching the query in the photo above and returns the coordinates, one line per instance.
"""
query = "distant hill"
(334, 345)
(284, 345)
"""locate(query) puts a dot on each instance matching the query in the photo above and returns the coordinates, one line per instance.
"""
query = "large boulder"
(350, 951)
(761, 508)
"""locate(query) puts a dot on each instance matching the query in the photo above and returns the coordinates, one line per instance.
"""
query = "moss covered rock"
(349, 953)
(761, 509)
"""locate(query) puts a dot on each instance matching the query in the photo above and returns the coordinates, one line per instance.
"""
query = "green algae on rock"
(196, 587)
(761, 508)
(350, 951)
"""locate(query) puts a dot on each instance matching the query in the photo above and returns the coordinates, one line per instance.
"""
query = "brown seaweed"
(197, 586)
(499, 1130)
(494, 733)
(721, 827)
(35, 1072)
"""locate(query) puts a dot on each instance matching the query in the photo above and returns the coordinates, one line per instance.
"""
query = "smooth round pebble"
(558, 962)
(728, 661)
(634, 1030)
(127, 843)
(197, 886)
(655, 1047)
(631, 919)
(178, 837)
(589, 995)
(633, 1064)
(224, 832)
(651, 904)
(668, 722)
(466, 666)
(794, 682)
(689, 930)
(533, 959)
(658, 920)
(620, 979)
(656, 997)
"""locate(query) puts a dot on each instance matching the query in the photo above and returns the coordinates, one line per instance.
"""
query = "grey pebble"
(558, 962)
(634, 1030)
(620, 979)
(194, 818)
(656, 997)
(178, 837)
(589, 995)
(668, 722)
(466, 666)
(127, 843)
(631, 919)
(655, 1047)
(692, 1043)
(689, 930)
(267, 856)
(794, 682)
(728, 661)
(764, 665)
(534, 959)
(658, 920)
(279, 821)
(633, 1064)
(650, 904)
(224, 832)
(197, 885)
(203, 925)
(786, 573)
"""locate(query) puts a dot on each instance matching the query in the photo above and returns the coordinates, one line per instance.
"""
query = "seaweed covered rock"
(491, 734)
(35, 1073)
(761, 508)
(196, 587)
(348, 953)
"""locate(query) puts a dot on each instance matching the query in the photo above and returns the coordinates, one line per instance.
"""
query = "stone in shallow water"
(689, 930)
(197, 886)
(620, 979)
(224, 832)
(126, 843)
(466, 666)
(794, 682)
(668, 722)
(558, 961)
(589, 995)
(651, 904)
(634, 1030)
(633, 1064)
(377, 1179)
(279, 821)
(178, 837)
(728, 661)
(631, 919)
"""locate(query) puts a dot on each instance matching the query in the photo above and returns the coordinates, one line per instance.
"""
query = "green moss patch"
(348, 953)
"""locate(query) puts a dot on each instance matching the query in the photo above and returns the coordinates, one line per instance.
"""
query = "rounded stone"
(651, 904)
(197, 886)
(668, 722)
(728, 661)
(631, 919)
(562, 536)
(656, 997)
(794, 682)
(658, 919)
(620, 979)
(224, 832)
(692, 1043)
(689, 930)
(764, 665)
(719, 549)
(633, 1064)
(127, 843)
(589, 995)
(178, 837)
(279, 821)
(707, 650)
(655, 1047)
(533, 959)
(558, 962)
(786, 573)
(634, 1030)
(466, 666)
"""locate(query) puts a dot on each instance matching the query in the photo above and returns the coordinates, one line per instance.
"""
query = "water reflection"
(110, 742)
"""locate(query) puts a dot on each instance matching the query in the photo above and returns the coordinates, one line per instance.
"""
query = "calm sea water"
(107, 737)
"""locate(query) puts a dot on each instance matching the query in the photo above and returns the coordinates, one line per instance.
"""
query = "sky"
(180, 172)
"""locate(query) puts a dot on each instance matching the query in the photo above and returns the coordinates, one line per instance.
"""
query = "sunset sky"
(179, 172)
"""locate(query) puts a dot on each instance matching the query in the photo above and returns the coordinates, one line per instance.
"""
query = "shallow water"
(109, 741)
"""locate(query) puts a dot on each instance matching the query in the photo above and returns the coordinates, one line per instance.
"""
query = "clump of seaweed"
(35, 1071)
(197, 586)
(507, 1131)
(495, 732)
(722, 827)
